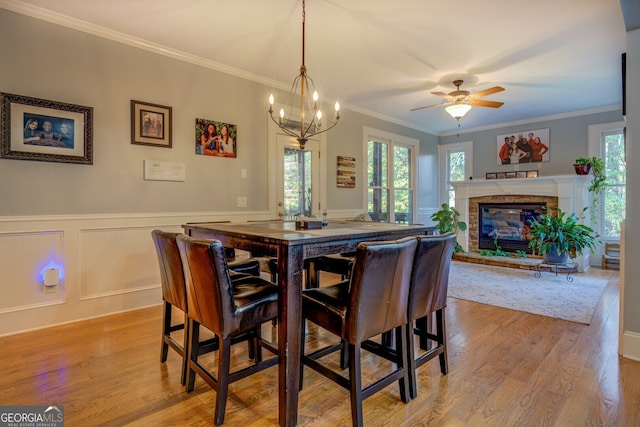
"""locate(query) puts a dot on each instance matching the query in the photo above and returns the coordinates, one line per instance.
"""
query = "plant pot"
(582, 169)
(554, 258)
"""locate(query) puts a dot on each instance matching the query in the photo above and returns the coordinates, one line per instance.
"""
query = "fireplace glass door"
(507, 224)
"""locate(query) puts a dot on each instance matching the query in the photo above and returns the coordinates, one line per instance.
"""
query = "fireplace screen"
(508, 224)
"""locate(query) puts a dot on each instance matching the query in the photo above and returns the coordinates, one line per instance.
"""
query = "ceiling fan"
(459, 102)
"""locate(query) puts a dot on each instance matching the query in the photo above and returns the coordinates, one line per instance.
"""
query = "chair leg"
(442, 340)
(185, 351)
(194, 350)
(411, 362)
(401, 361)
(224, 365)
(355, 382)
(166, 328)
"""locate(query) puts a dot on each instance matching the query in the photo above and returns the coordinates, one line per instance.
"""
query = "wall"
(94, 221)
(568, 141)
(631, 270)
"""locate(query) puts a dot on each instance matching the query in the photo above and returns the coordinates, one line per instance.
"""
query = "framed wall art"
(346, 172)
(150, 124)
(44, 130)
(531, 146)
(216, 138)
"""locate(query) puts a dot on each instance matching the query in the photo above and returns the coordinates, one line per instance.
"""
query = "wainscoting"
(107, 265)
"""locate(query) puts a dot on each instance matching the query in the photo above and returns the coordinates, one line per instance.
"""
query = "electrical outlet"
(242, 202)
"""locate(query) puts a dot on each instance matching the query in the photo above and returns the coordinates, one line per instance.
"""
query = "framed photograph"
(43, 130)
(150, 124)
(532, 174)
(521, 174)
(216, 138)
(530, 146)
(491, 175)
(346, 172)
(501, 175)
(510, 175)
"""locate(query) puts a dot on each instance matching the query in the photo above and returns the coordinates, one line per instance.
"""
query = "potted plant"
(558, 237)
(447, 221)
(585, 165)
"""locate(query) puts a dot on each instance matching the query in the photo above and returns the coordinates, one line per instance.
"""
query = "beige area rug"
(548, 295)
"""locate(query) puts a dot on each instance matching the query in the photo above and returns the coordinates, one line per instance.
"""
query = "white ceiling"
(385, 57)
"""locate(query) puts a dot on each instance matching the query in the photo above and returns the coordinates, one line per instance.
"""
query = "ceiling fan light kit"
(459, 102)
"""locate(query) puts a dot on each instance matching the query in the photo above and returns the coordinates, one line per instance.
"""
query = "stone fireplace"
(567, 192)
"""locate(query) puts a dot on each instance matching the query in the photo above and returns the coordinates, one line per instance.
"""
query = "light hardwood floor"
(507, 368)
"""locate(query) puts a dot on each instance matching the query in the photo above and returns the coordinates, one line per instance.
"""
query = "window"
(608, 142)
(614, 200)
(390, 176)
(456, 161)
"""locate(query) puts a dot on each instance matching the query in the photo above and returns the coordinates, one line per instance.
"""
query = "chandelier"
(310, 121)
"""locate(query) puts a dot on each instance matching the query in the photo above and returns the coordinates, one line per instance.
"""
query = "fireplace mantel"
(571, 191)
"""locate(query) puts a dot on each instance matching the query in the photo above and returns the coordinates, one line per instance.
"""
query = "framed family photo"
(531, 146)
(44, 130)
(215, 138)
(150, 124)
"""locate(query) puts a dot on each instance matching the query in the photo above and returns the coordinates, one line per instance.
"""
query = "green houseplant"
(447, 221)
(585, 165)
(558, 237)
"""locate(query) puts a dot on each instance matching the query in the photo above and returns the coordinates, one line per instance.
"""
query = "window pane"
(403, 206)
(402, 202)
(456, 166)
(378, 204)
(297, 183)
(615, 192)
(377, 164)
(614, 207)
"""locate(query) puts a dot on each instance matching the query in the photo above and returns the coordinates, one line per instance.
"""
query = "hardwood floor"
(507, 368)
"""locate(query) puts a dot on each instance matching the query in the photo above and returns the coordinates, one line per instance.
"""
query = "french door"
(297, 178)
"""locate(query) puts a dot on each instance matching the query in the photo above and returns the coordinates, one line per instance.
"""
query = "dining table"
(292, 245)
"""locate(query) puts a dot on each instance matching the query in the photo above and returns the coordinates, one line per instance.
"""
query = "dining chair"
(234, 311)
(174, 296)
(428, 295)
(373, 301)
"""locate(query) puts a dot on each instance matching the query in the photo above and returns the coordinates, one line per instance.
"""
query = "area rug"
(548, 295)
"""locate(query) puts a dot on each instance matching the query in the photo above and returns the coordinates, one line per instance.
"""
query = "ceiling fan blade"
(429, 106)
(486, 92)
(443, 95)
(482, 103)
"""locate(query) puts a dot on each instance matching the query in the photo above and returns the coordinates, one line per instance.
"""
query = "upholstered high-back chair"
(428, 295)
(234, 311)
(373, 301)
(173, 295)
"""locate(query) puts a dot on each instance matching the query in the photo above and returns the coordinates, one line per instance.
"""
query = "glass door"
(297, 183)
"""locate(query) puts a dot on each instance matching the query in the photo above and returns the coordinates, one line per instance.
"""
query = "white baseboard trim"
(631, 346)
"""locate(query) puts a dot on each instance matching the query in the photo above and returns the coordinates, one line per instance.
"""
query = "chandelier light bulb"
(271, 99)
(315, 96)
(319, 115)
